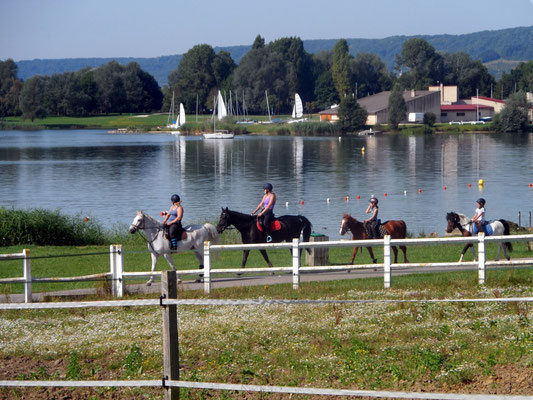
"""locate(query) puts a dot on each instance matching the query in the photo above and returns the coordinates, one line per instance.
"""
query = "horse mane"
(349, 217)
(152, 219)
(239, 215)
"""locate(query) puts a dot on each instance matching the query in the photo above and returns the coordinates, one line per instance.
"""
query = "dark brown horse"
(396, 230)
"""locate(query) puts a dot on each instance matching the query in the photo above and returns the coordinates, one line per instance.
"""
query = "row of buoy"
(358, 197)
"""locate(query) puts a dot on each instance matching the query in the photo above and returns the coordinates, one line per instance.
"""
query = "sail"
(181, 119)
(298, 111)
(294, 111)
(221, 110)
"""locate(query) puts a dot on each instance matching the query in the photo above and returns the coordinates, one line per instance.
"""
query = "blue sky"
(46, 29)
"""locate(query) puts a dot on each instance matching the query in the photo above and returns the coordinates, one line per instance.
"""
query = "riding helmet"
(174, 198)
(481, 201)
(267, 186)
(374, 200)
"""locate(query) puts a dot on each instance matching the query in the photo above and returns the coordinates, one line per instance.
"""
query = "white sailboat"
(297, 110)
(222, 112)
(174, 124)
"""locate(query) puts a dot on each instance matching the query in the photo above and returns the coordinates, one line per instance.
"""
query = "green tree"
(352, 116)
(369, 74)
(513, 117)
(10, 88)
(340, 69)
(424, 65)
(470, 76)
(325, 92)
(397, 110)
(32, 98)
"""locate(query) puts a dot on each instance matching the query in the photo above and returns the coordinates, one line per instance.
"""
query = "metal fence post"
(386, 261)
(295, 264)
(169, 290)
(26, 265)
(207, 267)
(481, 258)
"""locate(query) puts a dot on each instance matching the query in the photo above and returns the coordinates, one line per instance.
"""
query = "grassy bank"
(431, 347)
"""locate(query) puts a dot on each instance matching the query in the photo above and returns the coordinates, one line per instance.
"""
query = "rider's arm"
(373, 214)
(259, 205)
(476, 217)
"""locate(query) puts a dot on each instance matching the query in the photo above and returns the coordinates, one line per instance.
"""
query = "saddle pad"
(274, 226)
(381, 229)
(488, 229)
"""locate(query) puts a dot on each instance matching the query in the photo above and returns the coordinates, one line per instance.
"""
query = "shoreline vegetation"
(156, 123)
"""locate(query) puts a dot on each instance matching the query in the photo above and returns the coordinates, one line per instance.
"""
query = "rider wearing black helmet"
(479, 216)
(373, 220)
(173, 221)
(266, 205)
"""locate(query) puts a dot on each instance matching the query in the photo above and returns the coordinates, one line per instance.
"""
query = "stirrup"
(268, 239)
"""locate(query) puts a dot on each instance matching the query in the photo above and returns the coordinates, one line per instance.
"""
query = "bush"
(47, 228)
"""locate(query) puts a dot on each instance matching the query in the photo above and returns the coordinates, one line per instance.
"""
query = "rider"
(267, 209)
(479, 216)
(373, 220)
(173, 221)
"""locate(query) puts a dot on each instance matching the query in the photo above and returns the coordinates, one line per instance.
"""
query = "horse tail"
(506, 231)
(306, 231)
(212, 234)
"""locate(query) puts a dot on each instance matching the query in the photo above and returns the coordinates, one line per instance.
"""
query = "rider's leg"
(172, 234)
(267, 218)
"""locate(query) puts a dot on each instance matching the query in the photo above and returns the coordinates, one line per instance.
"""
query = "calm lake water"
(110, 176)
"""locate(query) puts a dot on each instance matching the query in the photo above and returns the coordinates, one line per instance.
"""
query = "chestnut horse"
(396, 230)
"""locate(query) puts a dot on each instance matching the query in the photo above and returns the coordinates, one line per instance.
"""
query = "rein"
(139, 228)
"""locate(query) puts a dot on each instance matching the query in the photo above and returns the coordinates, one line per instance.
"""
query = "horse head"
(345, 224)
(224, 220)
(453, 222)
(137, 222)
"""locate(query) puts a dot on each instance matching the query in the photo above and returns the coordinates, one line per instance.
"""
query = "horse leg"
(371, 252)
(354, 253)
(265, 256)
(464, 251)
(395, 250)
(244, 258)
(404, 249)
(154, 263)
(200, 258)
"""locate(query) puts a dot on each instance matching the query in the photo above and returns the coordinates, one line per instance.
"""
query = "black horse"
(246, 224)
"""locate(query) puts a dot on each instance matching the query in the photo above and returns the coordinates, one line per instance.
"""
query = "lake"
(110, 176)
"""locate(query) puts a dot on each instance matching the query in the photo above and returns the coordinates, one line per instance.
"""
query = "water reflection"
(111, 176)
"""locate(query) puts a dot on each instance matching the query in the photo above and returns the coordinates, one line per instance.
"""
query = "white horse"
(159, 245)
(464, 224)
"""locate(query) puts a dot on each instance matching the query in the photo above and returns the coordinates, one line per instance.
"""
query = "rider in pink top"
(267, 209)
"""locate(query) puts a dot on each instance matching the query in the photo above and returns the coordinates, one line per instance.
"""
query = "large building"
(465, 112)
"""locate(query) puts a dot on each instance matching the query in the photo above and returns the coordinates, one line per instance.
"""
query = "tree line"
(275, 70)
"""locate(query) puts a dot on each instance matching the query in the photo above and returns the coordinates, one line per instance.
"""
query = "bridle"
(140, 227)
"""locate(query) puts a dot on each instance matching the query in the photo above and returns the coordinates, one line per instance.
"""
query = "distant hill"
(508, 46)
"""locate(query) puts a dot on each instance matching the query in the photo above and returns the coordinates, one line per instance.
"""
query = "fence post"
(481, 258)
(169, 290)
(116, 262)
(26, 266)
(295, 264)
(386, 261)
(207, 267)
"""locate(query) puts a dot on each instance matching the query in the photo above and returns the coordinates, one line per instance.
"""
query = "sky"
(48, 29)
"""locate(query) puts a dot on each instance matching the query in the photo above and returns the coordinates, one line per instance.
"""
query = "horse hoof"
(198, 280)
(148, 283)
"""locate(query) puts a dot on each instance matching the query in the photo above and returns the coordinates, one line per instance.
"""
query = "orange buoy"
(469, 185)
(302, 202)
(385, 194)
(419, 190)
(444, 187)
(358, 197)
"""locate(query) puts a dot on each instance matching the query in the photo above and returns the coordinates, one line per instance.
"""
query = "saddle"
(381, 231)
(274, 226)
(487, 228)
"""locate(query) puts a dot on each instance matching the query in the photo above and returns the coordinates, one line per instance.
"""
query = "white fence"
(171, 379)
(118, 275)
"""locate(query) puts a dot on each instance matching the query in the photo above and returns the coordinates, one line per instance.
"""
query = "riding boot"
(173, 244)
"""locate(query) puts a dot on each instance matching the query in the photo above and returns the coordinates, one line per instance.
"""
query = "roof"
(488, 99)
(464, 107)
(330, 111)
(380, 101)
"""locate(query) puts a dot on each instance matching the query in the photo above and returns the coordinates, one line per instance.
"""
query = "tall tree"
(351, 115)
(10, 88)
(470, 76)
(369, 74)
(340, 69)
(513, 117)
(32, 98)
(396, 110)
(425, 66)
